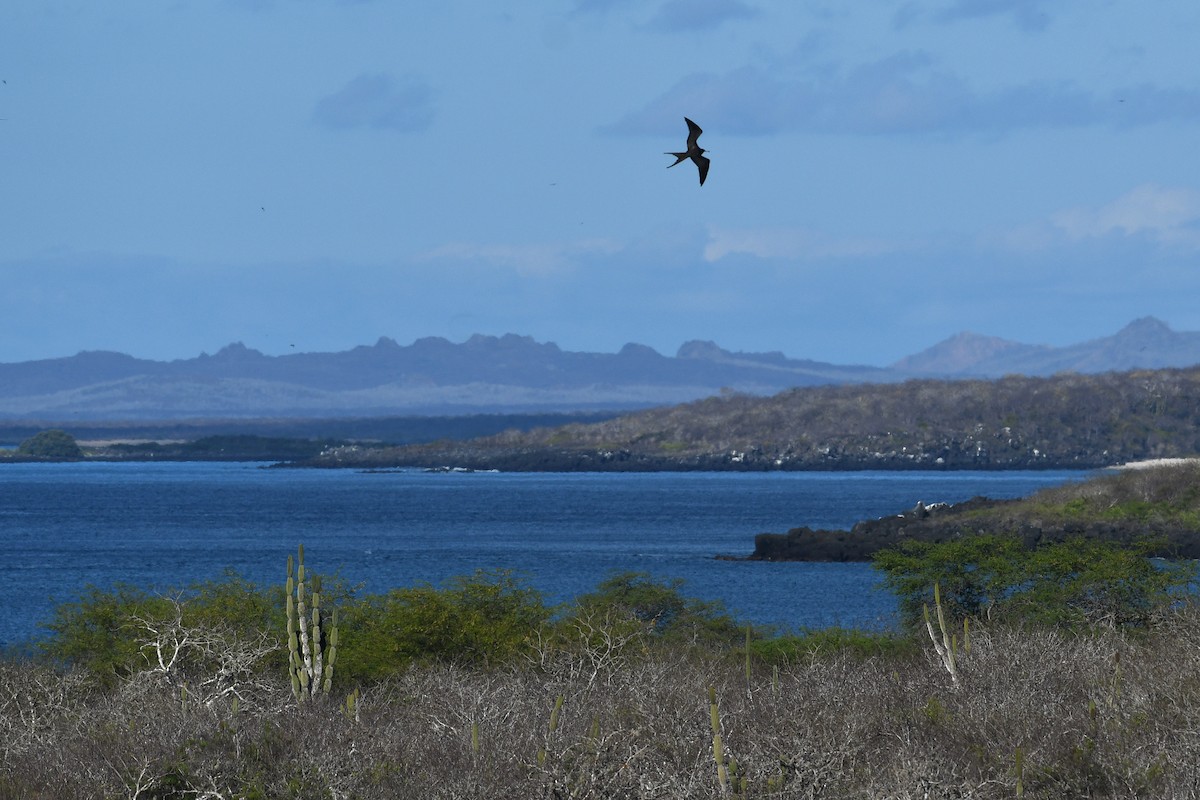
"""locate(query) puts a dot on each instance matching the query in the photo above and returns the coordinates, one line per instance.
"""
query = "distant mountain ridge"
(1145, 343)
(489, 374)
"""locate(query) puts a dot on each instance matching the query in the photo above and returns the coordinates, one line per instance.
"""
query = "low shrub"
(636, 598)
(1077, 582)
(815, 644)
(487, 618)
(1103, 715)
(109, 633)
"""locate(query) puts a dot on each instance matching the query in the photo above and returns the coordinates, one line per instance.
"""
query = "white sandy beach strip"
(1159, 462)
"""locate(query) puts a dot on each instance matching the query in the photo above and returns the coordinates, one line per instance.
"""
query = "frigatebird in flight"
(694, 151)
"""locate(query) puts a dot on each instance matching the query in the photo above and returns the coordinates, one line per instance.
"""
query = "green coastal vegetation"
(1118, 506)
(281, 439)
(1061, 669)
(56, 444)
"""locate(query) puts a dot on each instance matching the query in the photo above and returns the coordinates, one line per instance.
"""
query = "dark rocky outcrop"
(979, 515)
(923, 522)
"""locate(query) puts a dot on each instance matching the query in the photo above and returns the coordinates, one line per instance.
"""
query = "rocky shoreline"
(477, 456)
(980, 515)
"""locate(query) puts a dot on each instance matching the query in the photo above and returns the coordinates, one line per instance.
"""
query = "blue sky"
(315, 174)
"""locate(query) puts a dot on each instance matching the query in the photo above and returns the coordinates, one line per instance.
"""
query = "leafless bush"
(211, 661)
(1103, 714)
(33, 702)
(594, 646)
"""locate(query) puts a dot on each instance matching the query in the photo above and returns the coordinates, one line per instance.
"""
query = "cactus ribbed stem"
(714, 718)
(311, 650)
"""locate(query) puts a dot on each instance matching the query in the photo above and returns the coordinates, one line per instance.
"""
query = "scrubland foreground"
(1066, 669)
(598, 702)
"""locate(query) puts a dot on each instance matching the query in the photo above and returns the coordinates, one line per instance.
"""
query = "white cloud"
(378, 101)
(908, 92)
(694, 15)
(1029, 15)
(1168, 215)
(598, 6)
(792, 243)
(525, 260)
(1147, 217)
(707, 301)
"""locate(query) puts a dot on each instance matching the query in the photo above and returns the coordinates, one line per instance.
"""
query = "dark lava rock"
(943, 522)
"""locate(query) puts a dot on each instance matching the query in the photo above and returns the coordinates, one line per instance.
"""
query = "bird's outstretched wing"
(694, 132)
(702, 164)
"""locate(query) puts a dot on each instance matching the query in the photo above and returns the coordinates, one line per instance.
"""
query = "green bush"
(238, 603)
(93, 633)
(1088, 581)
(818, 643)
(1074, 582)
(486, 618)
(50, 444)
(102, 631)
(661, 607)
(975, 574)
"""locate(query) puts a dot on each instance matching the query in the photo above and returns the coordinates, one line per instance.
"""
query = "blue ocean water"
(163, 525)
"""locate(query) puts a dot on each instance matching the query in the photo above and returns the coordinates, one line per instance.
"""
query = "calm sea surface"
(64, 526)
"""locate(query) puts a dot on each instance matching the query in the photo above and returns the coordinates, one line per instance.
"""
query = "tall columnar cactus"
(714, 716)
(312, 640)
(947, 647)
